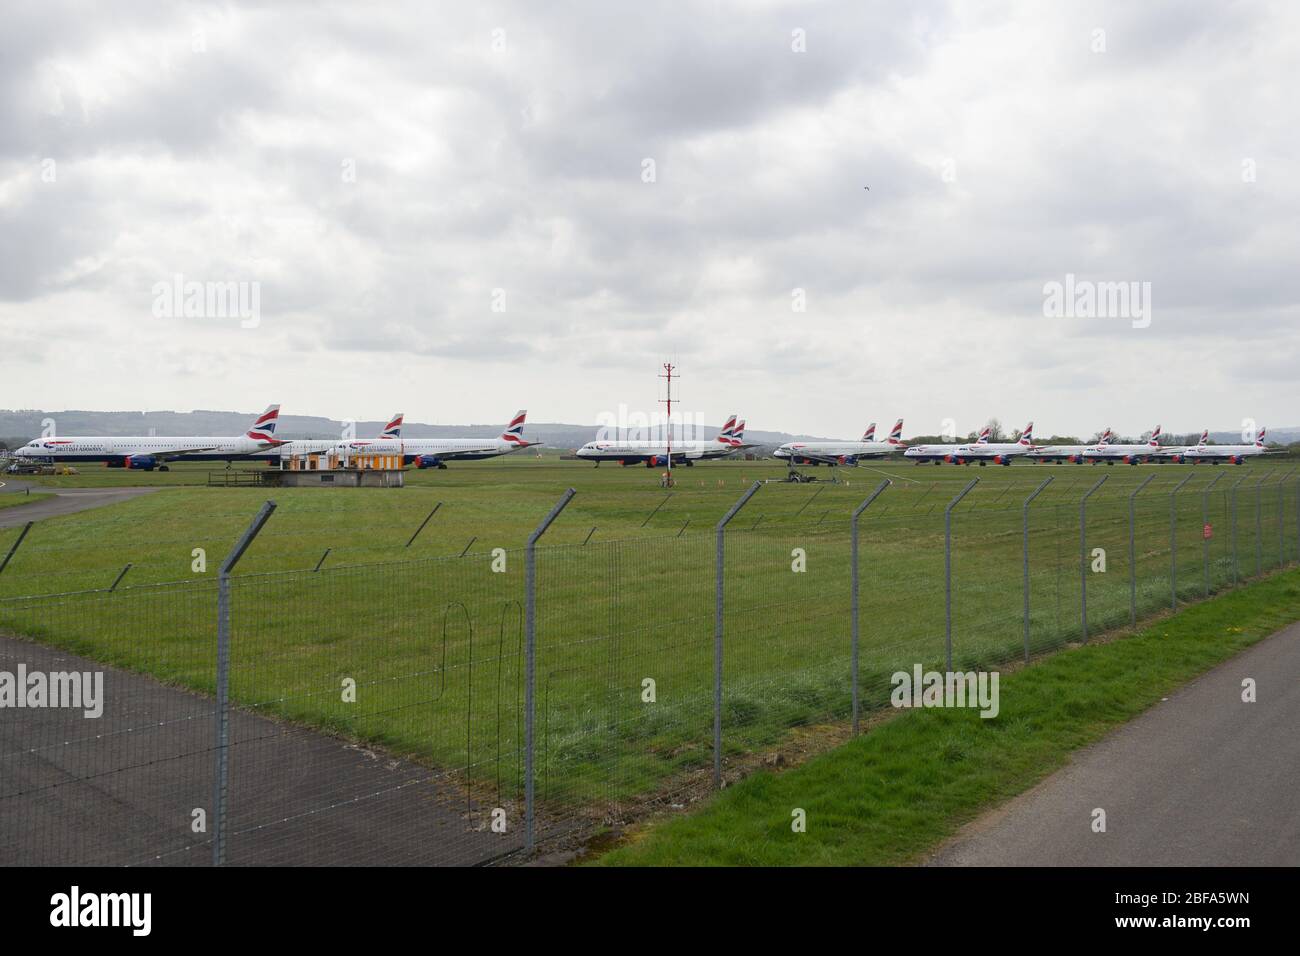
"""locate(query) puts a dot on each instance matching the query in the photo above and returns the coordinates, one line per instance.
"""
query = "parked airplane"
(320, 446)
(1070, 453)
(152, 452)
(1175, 453)
(1234, 454)
(1129, 454)
(941, 453)
(982, 450)
(843, 452)
(436, 452)
(654, 453)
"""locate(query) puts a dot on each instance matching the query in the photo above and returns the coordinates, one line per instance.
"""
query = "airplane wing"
(462, 452)
(171, 454)
(824, 459)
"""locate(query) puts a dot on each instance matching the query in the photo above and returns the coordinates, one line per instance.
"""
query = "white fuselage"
(189, 448)
(687, 449)
(1001, 449)
(1067, 452)
(837, 451)
(1221, 452)
(449, 449)
(1130, 453)
(973, 451)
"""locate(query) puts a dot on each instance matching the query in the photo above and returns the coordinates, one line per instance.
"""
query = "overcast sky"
(447, 209)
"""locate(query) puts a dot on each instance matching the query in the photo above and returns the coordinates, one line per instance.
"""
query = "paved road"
(1202, 779)
(66, 501)
(121, 789)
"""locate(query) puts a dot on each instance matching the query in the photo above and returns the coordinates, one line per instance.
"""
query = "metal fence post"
(717, 634)
(1173, 541)
(1281, 518)
(1205, 523)
(530, 664)
(427, 517)
(1236, 564)
(1025, 516)
(656, 510)
(1259, 525)
(221, 785)
(1083, 554)
(1132, 554)
(22, 534)
(120, 575)
(853, 562)
(947, 570)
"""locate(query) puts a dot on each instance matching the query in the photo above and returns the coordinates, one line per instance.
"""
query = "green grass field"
(433, 638)
(893, 795)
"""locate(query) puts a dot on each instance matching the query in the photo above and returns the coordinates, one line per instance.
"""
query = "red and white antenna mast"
(669, 368)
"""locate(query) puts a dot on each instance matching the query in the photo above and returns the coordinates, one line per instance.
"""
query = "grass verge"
(892, 795)
(13, 501)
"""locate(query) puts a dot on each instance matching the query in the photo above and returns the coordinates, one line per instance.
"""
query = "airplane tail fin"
(738, 436)
(1154, 440)
(263, 427)
(1105, 437)
(870, 433)
(983, 436)
(896, 433)
(394, 427)
(1205, 437)
(1259, 441)
(514, 433)
(1027, 436)
(727, 434)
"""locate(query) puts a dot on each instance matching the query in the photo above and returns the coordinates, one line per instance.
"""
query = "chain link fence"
(484, 705)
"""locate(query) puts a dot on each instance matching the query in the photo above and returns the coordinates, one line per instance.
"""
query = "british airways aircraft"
(981, 450)
(320, 446)
(654, 453)
(432, 452)
(843, 452)
(148, 453)
(1071, 453)
(1233, 454)
(1129, 454)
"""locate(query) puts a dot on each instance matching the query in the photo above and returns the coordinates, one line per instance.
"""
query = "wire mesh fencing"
(481, 705)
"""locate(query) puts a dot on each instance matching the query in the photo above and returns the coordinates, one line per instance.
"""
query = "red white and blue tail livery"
(394, 427)
(842, 452)
(263, 428)
(1232, 454)
(152, 451)
(514, 433)
(1129, 454)
(654, 453)
(981, 451)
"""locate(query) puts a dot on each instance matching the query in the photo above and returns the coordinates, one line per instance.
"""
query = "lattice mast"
(667, 376)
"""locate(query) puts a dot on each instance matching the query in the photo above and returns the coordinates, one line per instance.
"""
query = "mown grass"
(12, 501)
(892, 795)
(434, 639)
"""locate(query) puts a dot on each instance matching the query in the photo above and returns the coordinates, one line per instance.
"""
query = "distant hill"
(26, 424)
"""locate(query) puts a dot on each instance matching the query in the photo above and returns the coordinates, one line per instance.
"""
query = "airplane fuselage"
(844, 452)
(630, 450)
(1131, 454)
(125, 450)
